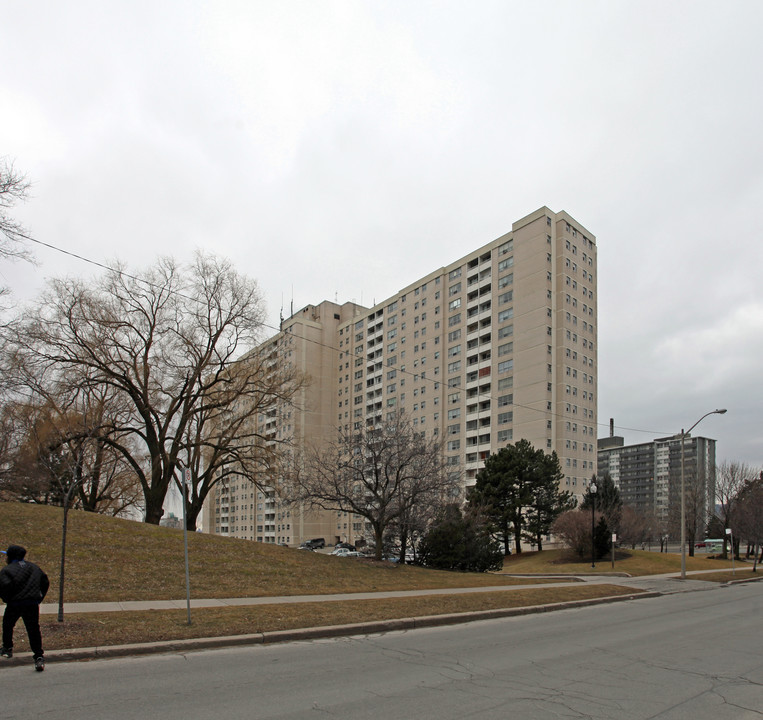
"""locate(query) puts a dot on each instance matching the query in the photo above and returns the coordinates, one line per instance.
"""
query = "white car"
(344, 552)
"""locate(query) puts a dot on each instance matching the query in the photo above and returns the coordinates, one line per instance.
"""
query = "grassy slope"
(110, 559)
(114, 559)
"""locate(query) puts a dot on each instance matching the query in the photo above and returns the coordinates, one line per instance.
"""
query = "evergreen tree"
(607, 500)
(458, 541)
(548, 504)
(602, 538)
(517, 486)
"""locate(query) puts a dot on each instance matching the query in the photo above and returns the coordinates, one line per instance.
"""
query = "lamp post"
(592, 489)
(683, 495)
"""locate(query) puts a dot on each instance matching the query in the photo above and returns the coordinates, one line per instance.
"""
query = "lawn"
(117, 628)
(110, 559)
(632, 562)
(114, 559)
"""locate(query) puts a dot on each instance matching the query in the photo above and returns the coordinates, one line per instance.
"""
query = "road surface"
(691, 655)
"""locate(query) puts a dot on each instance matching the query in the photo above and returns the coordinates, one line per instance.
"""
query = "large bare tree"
(225, 437)
(376, 472)
(164, 343)
(730, 477)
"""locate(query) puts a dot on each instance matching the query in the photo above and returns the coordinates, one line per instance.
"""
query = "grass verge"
(633, 562)
(117, 628)
(727, 575)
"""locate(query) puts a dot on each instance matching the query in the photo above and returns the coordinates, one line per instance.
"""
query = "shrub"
(460, 542)
(573, 528)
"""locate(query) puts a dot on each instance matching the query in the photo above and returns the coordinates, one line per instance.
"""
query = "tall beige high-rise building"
(497, 346)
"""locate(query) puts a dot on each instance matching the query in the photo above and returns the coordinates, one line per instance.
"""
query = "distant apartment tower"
(648, 475)
(498, 346)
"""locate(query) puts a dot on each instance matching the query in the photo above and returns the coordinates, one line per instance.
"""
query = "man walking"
(22, 587)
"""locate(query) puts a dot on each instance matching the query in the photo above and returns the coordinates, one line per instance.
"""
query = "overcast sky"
(341, 150)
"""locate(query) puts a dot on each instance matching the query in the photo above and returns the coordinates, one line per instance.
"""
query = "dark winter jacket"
(23, 583)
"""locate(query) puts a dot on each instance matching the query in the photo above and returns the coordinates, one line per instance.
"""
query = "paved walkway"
(667, 583)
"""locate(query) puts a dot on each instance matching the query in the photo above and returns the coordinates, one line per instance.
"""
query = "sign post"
(184, 475)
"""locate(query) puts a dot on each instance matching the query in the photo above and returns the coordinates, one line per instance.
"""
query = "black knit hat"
(15, 552)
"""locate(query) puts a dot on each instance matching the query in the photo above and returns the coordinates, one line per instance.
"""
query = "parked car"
(345, 545)
(344, 552)
(340, 551)
(314, 544)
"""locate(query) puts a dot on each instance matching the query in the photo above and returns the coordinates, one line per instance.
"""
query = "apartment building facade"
(648, 475)
(497, 346)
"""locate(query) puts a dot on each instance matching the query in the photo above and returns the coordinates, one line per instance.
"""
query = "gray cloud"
(279, 134)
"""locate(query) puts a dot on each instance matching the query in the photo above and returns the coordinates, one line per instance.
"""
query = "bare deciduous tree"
(14, 188)
(58, 445)
(697, 494)
(634, 528)
(379, 473)
(747, 521)
(163, 344)
(729, 480)
(573, 528)
(224, 438)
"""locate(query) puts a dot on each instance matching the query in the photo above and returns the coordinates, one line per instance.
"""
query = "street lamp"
(683, 495)
(592, 489)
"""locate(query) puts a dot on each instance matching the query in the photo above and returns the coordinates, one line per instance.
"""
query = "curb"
(313, 633)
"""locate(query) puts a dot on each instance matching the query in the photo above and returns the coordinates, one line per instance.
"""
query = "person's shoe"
(39, 664)
(6, 652)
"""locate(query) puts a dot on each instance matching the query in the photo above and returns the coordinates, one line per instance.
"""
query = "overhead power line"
(123, 273)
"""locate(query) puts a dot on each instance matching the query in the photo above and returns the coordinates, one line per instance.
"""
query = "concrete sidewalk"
(666, 583)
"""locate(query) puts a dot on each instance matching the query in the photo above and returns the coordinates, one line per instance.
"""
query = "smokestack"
(611, 427)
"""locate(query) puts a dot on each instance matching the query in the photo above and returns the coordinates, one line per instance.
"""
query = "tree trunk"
(379, 538)
(154, 506)
(518, 538)
(506, 538)
(403, 544)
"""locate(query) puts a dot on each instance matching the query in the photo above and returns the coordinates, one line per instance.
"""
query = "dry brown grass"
(110, 559)
(117, 628)
(633, 562)
(743, 573)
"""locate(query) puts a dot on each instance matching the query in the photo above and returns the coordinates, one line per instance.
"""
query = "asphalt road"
(691, 655)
